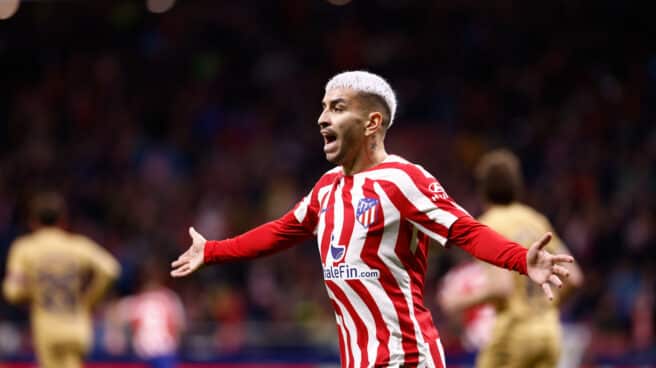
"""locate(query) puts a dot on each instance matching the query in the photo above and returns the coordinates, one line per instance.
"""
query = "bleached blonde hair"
(363, 81)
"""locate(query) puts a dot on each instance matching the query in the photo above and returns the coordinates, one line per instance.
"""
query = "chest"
(356, 216)
(359, 205)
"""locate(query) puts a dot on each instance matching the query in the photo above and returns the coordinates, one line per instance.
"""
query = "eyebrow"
(333, 102)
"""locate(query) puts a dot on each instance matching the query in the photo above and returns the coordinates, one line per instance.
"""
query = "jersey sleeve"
(16, 284)
(296, 226)
(306, 212)
(487, 245)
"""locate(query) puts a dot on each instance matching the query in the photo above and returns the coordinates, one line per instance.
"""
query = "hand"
(192, 259)
(544, 268)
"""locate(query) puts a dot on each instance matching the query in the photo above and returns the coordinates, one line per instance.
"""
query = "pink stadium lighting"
(8, 8)
(159, 6)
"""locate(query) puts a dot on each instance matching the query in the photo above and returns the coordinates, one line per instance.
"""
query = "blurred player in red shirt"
(156, 319)
(466, 279)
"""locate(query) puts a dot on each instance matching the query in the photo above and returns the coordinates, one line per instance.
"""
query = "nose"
(323, 120)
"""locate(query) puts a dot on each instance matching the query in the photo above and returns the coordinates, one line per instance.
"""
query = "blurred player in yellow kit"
(60, 275)
(526, 330)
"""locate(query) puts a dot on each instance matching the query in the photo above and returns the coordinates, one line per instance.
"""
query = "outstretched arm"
(483, 243)
(263, 240)
(423, 201)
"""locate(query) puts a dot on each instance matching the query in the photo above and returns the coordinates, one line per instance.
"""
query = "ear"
(374, 123)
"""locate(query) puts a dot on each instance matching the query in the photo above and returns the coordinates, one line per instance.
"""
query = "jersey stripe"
(333, 214)
(441, 351)
(343, 204)
(379, 337)
(301, 210)
(358, 328)
(348, 216)
(383, 290)
(342, 332)
(436, 358)
(326, 222)
(355, 288)
(415, 263)
(402, 299)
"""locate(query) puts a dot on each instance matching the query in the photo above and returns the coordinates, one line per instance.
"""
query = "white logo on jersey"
(344, 271)
(437, 190)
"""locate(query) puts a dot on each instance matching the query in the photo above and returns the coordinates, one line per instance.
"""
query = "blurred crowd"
(206, 116)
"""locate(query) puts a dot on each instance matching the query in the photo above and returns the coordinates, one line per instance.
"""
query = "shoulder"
(396, 166)
(22, 241)
(325, 181)
(531, 214)
(25, 245)
(170, 295)
(497, 216)
(92, 251)
(83, 241)
(399, 172)
(329, 177)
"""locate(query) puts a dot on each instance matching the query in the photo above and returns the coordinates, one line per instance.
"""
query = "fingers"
(546, 238)
(560, 271)
(547, 290)
(183, 258)
(178, 262)
(562, 258)
(182, 271)
(554, 280)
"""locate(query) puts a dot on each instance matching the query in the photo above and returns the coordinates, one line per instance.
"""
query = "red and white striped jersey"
(157, 319)
(373, 230)
(464, 280)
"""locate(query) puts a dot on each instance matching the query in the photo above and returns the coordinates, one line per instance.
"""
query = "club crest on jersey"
(366, 211)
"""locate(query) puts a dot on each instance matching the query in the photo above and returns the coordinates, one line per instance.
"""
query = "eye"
(338, 108)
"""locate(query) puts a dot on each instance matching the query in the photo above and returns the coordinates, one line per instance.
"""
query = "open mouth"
(329, 140)
(329, 137)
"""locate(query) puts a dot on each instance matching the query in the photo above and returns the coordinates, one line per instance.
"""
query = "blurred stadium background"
(154, 115)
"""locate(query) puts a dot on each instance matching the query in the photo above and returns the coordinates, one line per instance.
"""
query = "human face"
(341, 124)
